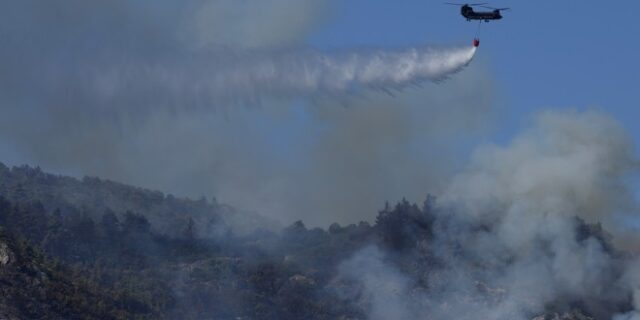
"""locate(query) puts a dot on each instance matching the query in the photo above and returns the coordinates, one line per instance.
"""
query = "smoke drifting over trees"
(511, 234)
(125, 90)
(465, 258)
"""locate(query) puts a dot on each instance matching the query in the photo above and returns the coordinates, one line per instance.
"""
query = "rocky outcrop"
(33, 287)
(6, 255)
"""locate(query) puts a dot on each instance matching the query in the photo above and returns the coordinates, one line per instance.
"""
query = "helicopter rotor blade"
(492, 8)
(462, 4)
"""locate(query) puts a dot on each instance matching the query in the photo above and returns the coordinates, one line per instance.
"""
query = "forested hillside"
(94, 197)
(96, 249)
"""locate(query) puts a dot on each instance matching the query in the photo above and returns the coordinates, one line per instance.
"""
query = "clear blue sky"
(543, 54)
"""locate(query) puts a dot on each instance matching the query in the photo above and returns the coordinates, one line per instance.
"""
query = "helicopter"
(466, 10)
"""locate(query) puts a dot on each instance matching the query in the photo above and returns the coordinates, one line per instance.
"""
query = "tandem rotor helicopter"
(466, 10)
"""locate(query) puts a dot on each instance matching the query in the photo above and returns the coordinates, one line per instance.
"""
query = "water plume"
(223, 75)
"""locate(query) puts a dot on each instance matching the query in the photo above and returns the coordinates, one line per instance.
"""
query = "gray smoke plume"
(569, 164)
(508, 231)
(384, 288)
(163, 96)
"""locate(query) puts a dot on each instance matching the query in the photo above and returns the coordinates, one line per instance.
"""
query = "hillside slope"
(96, 249)
(93, 196)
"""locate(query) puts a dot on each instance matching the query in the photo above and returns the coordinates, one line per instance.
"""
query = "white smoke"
(507, 235)
(568, 164)
(383, 288)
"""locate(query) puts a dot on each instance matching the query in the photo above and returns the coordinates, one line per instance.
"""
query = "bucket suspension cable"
(476, 39)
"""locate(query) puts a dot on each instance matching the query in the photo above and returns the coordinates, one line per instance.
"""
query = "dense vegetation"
(95, 249)
(199, 269)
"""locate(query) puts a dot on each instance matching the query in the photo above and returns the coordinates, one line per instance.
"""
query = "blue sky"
(543, 54)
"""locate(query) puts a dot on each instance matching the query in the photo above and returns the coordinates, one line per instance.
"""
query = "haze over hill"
(181, 98)
(226, 99)
(93, 197)
(498, 245)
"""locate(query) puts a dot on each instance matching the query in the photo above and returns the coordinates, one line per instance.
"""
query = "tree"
(190, 230)
(55, 229)
(110, 224)
(135, 223)
(402, 227)
(5, 208)
(29, 220)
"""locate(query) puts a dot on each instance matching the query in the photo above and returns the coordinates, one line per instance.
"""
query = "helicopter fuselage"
(468, 12)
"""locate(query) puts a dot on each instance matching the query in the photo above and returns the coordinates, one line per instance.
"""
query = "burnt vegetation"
(96, 249)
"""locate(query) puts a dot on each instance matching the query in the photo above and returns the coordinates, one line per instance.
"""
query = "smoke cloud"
(509, 234)
(164, 96)
(568, 164)
(384, 287)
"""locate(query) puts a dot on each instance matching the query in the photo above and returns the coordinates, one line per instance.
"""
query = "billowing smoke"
(569, 164)
(163, 96)
(511, 239)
